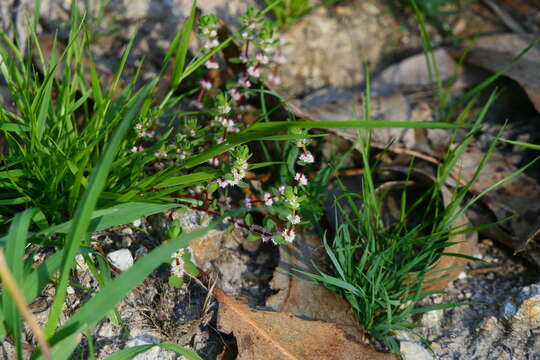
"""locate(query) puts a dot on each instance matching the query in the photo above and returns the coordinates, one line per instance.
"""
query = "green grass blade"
(523, 144)
(183, 46)
(15, 246)
(86, 206)
(130, 353)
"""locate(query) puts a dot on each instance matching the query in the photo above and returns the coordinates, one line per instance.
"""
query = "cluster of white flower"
(306, 157)
(254, 71)
(301, 178)
(268, 199)
(294, 219)
(206, 84)
(177, 263)
(161, 154)
(208, 31)
(227, 122)
(240, 155)
(288, 234)
(143, 132)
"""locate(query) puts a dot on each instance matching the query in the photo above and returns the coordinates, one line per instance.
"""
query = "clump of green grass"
(382, 268)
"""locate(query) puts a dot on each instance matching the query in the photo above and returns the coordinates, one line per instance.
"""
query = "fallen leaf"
(305, 298)
(413, 74)
(495, 52)
(519, 198)
(278, 335)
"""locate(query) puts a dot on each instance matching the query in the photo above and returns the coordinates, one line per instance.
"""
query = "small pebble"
(508, 310)
(121, 259)
(140, 252)
(126, 241)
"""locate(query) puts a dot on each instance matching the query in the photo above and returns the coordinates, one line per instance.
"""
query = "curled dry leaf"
(283, 336)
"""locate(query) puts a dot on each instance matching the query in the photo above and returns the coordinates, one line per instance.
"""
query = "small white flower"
(159, 165)
(222, 182)
(245, 35)
(160, 154)
(244, 82)
(288, 235)
(177, 264)
(211, 43)
(301, 178)
(263, 59)
(224, 109)
(268, 199)
(214, 161)
(137, 148)
(206, 84)
(306, 157)
(148, 134)
(294, 219)
(247, 201)
(281, 189)
(226, 122)
(235, 94)
(254, 71)
(220, 140)
(212, 64)
(213, 34)
(137, 223)
(238, 175)
(238, 224)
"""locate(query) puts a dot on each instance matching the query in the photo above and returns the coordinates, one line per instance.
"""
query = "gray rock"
(122, 259)
(411, 349)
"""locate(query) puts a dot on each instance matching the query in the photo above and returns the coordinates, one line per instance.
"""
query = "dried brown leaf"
(305, 298)
(278, 335)
(495, 52)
